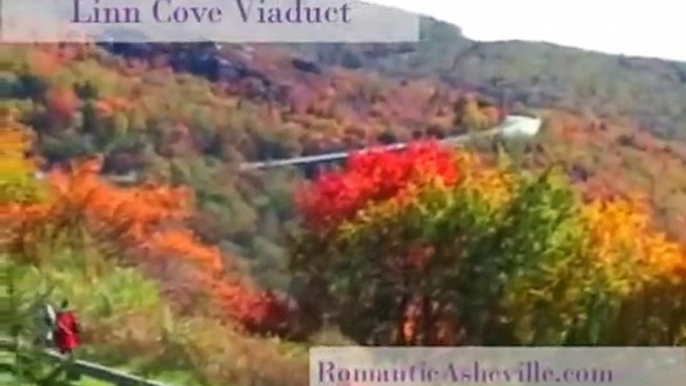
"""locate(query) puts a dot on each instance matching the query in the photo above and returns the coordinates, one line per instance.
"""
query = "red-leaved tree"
(371, 177)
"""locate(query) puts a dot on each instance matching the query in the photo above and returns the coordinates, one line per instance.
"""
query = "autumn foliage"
(625, 225)
(62, 102)
(148, 223)
(483, 256)
(20, 195)
(373, 177)
(144, 224)
(476, 231)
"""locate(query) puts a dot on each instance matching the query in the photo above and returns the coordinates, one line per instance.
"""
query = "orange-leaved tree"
(142, 225)
(653, 308)
(21, 195)
(146, 226)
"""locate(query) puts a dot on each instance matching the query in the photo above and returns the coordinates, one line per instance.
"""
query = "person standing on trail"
(67, 330)
(45, 323)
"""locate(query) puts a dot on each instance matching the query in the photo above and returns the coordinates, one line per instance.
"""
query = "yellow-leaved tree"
(21, 193)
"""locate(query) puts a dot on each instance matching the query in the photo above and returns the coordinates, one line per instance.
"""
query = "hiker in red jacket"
(66, 330)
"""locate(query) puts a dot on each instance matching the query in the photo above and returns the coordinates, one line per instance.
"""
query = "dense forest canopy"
(176, 257)
(649, 92)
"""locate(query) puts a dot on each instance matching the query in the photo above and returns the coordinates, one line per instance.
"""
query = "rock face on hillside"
(203, 59)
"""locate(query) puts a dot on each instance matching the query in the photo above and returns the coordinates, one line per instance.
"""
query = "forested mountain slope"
(212, 241)
(649, 92)
(224, 104)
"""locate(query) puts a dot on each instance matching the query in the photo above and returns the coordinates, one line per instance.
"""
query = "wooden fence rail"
(80, 368)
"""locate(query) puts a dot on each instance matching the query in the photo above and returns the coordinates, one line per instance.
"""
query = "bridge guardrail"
(328, 157)
(517, 125)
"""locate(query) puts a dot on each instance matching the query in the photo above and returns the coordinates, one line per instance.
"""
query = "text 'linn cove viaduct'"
(182, 12)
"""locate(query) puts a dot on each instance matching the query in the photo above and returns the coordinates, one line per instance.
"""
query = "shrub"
(491, 257)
